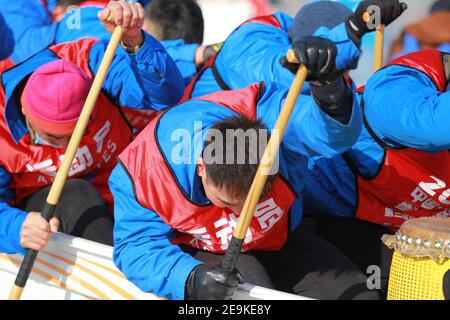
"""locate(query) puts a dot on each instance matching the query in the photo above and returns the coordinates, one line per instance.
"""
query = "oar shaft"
(80, 128)
(379, 49)
(61, 176)
(234, 248)
(269, 155)
(379, 44)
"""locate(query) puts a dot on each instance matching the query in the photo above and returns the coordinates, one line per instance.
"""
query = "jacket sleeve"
(405, 108)
(11, 219)
(310, 131)
(252, 53)
(348, 53)
(31, 25)
(184, 57)
(142, 247)
(148, 79)
(6, 39)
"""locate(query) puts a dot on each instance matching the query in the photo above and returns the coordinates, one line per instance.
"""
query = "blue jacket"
(146, 80)
(33, 28)
(6, 39)
(404, 108)
(143, 251)
(252, 53)
(31, 25)
(182, 54)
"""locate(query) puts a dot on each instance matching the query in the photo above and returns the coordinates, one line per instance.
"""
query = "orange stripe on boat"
(112, 285)
(44, 275)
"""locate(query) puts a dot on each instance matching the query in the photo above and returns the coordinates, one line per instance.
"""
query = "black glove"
(447, 285)
(389, 10)
(319, 57)
(211, 282)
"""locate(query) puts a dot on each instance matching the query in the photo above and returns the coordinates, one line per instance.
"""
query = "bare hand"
(129, 15)
(36, 231)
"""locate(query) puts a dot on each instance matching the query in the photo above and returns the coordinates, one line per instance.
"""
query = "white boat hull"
(76, 269)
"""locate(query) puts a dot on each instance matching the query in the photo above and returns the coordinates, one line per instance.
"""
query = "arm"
(405, 108)
(147, 79)
(184, 57)
(142, 247)
(310, 131)
(328, 122)
(31, 25)
(6, 39)
(11, 219)
(19, 229)
(252, 53)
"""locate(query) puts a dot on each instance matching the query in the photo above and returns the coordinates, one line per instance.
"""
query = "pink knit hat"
(54, 97)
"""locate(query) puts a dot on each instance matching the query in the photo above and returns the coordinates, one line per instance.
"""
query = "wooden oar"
(232, 254)
(379, 44)
(58, 184)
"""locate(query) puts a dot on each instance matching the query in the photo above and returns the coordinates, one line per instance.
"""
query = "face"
(53, 140)
(218, 196)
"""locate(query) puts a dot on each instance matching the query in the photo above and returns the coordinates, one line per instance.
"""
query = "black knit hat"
(314, 15)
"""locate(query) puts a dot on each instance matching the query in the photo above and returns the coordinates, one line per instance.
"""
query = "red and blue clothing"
(253, 52)
(145, 233)
(146, 80)
(33, 28)
(31, 24)
(399, 167)
(182, 54)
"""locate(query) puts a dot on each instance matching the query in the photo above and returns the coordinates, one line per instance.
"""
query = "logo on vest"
(84, 158)
(267, 214)
(421, 199)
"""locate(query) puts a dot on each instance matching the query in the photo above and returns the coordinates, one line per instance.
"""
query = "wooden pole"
(379, 44)
(61, 176)
(246, 216)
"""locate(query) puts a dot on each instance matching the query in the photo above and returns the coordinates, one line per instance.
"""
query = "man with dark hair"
(179, 25)
(181, 185)
(175, 19)
(254, 51)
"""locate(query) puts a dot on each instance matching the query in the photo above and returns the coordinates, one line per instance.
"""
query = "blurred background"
(222, 16)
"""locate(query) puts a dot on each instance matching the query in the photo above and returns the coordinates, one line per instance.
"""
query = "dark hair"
(236, 144)
(441, 5)
(68, 3)
(176, 19)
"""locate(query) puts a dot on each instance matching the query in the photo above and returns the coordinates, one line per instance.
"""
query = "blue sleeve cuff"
(337, 138)
(16, 227)
(11, 220)
(148, 48)
(348, 53)
(179, 275)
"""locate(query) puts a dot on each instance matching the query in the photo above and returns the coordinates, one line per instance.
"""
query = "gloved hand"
(327, 84)
(390, 10)
(319, 57)
(211, 282)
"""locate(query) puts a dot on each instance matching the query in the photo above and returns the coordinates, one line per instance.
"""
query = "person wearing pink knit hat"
(51, 110)
(41, 100)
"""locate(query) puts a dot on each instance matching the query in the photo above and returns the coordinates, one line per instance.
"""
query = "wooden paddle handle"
(271, 151)
(61, 176)
(379, 44)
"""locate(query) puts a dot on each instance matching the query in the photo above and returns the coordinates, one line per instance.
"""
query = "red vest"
(34, 166)
(205, 227)
(411, 183)
(270, 20)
